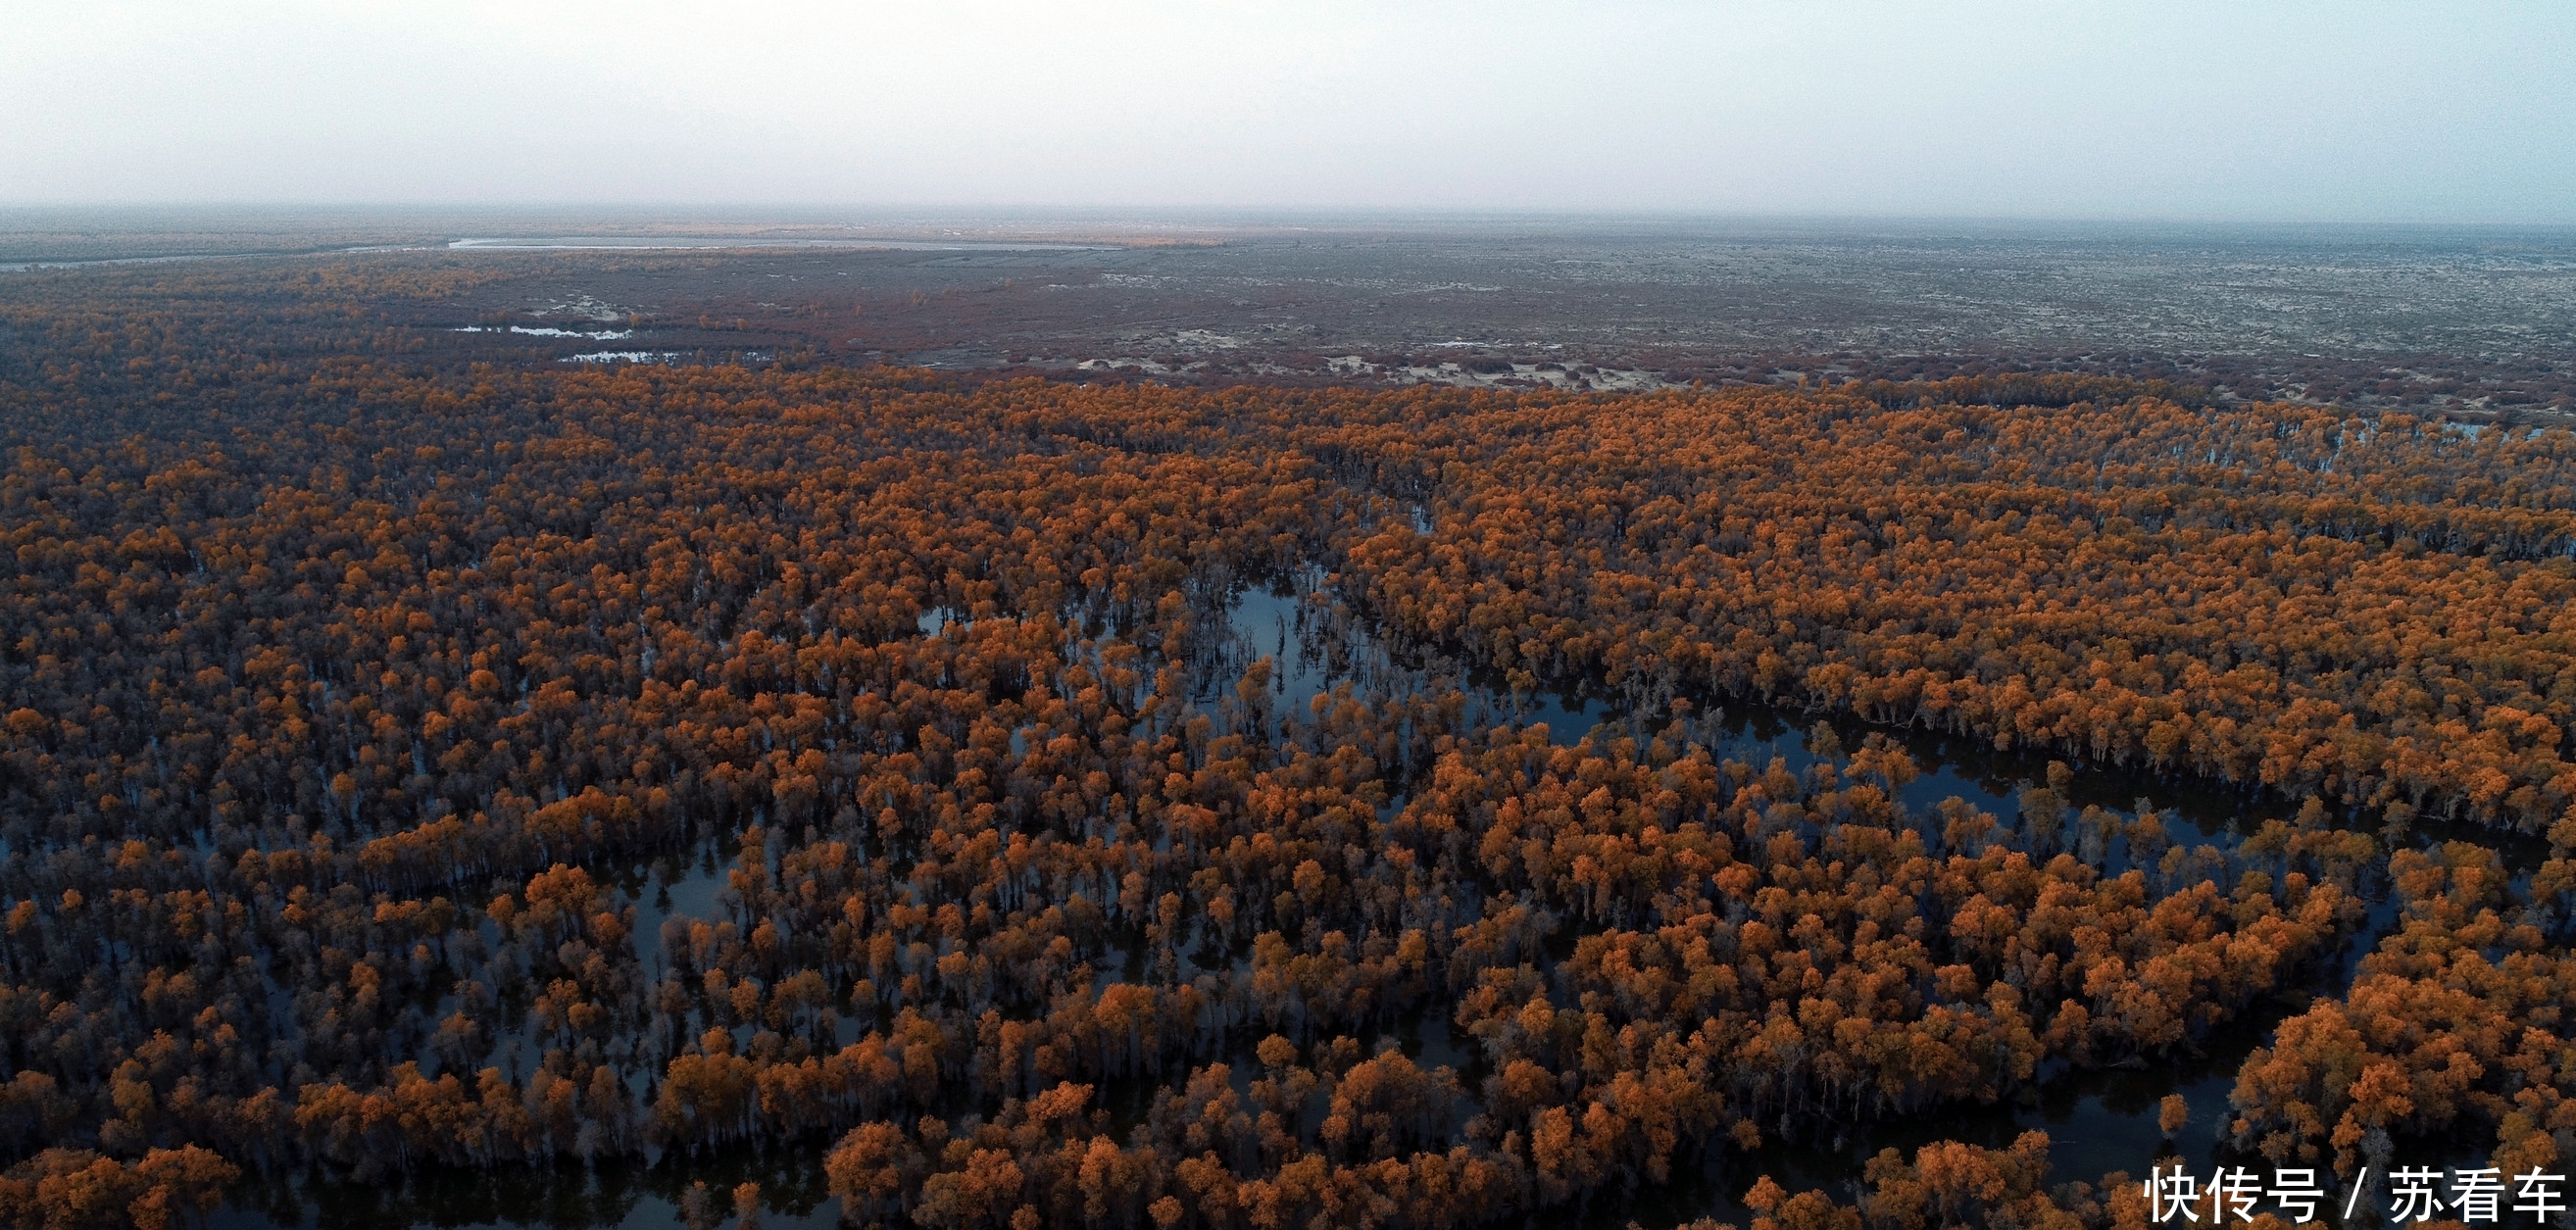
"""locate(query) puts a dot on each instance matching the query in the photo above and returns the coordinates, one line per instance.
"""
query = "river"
(2098, 1120)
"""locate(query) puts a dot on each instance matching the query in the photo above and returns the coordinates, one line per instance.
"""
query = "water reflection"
(2100, 1120)
(793, 1196)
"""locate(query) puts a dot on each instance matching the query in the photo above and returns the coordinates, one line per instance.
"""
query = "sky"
(2273, 110)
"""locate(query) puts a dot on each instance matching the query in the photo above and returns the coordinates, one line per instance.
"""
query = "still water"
(2099, 1121)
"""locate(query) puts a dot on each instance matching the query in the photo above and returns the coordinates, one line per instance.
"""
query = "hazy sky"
(2249, 109)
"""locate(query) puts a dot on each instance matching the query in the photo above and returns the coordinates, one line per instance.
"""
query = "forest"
(357, 694)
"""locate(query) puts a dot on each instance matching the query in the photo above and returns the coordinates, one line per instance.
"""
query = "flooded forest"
(445, 791)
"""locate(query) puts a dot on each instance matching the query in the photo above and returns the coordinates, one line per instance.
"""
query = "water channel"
(2098, 1120)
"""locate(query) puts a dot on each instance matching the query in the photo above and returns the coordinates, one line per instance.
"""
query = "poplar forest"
(788, 787)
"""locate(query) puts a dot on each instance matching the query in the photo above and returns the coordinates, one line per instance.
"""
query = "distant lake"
(593, 243)
(652, 243)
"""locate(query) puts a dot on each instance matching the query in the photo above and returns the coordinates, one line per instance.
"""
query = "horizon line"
(852, 213)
